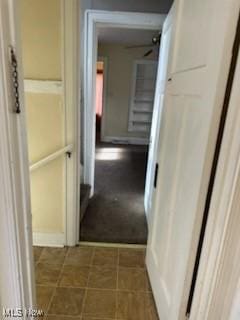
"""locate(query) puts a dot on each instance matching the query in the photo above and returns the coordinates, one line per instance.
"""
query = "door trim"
(17, 280)
(93, 20)
(215, 161)
(223, 223)
(71, 95)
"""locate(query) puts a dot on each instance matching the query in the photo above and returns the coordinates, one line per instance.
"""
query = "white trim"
(17, 287)
(45, 239)
(71, 79)
(94, 20)
(217, 280)
(51, 157)
(43, 86)
(126, 140)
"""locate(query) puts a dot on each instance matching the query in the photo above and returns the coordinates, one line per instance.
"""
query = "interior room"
(120, 159)
(125, 86)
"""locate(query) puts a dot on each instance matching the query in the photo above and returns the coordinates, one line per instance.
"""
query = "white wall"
(118, 88)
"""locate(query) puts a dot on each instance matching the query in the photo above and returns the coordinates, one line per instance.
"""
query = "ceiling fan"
(155, 44)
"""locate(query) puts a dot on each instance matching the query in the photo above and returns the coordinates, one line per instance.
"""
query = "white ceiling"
(125, 36)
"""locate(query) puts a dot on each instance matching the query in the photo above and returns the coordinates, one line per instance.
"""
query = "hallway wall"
(41, 52)
(41, 39)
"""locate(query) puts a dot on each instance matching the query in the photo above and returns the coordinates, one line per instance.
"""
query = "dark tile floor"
(93, 283)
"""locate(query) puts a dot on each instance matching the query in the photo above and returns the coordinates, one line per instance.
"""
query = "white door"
(157, 110)
(199, 64)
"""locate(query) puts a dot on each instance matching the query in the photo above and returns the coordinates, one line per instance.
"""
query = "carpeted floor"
(116, 211)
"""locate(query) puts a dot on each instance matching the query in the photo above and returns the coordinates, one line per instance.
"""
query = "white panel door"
(162, 75)
(199, 64)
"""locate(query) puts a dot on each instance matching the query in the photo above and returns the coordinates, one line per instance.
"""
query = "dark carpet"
(116, 211)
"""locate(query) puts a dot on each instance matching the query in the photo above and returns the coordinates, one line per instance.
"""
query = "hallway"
(116, 211)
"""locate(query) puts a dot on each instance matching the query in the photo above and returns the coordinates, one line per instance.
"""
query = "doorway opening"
(124, 86)
(100, 76)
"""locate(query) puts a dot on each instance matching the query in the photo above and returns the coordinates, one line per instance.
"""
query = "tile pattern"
(93, 283)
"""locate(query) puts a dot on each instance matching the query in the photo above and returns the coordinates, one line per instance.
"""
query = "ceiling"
(125, 36)
(155, 6)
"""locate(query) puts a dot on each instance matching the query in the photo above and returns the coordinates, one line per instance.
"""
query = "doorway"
(115, 158)
(100, 77)
(126, 70)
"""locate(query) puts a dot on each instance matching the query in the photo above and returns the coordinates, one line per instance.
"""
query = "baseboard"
(112, 245)
(43, 239)
(126, 140)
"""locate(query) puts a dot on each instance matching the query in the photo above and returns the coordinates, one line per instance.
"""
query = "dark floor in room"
(116, 211)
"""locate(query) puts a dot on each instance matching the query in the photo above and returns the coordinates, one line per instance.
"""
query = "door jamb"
(71, 94)
(17, 288)
(93, 20)
(221, 228)
(218, 147)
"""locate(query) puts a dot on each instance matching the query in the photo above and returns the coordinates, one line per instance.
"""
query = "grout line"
(85, 294)
(57, 284)
(112, 245)
(98, 289)
(37, 261)
(62, 316)
(118, 253)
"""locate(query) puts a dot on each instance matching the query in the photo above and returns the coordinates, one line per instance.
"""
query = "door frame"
(93, 20)
(71, 94)
(219, 273)
(17, 288)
